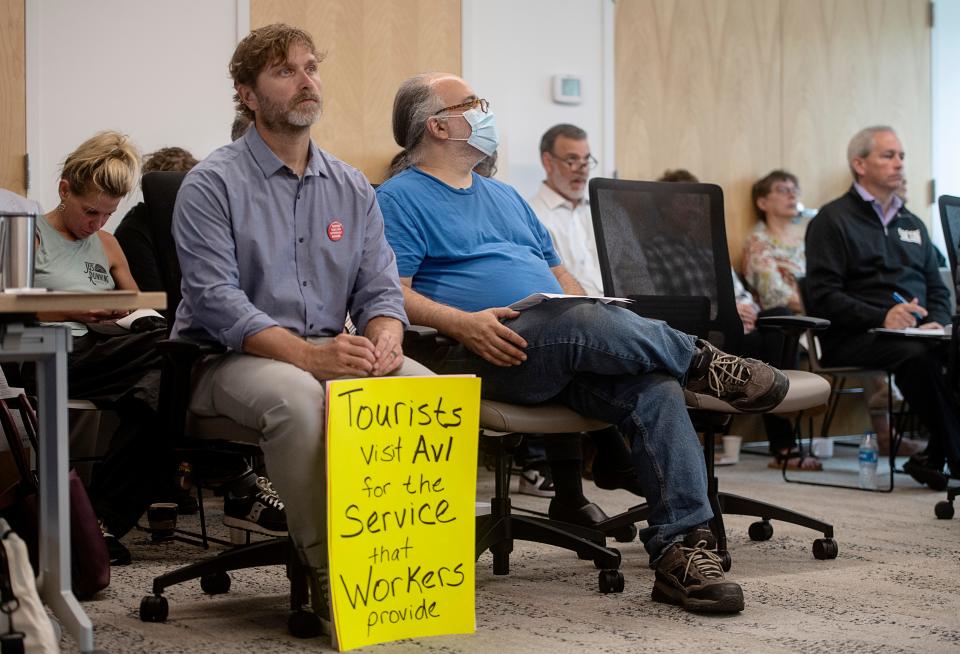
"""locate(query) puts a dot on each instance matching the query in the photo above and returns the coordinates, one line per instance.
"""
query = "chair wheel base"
(825, 548)
(943, 510)
(611, 581)
(726, 561)
(154, 608)
(761, 530)
(216, 583)
(625, 534)
(304, 624)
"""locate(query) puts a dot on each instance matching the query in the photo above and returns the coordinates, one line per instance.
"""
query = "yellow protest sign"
(401, 492)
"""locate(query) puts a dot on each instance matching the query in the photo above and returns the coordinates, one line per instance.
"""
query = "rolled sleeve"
(208, 260)
(376, 291)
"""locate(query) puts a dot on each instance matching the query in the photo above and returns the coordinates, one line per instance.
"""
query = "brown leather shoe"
(689, 574)
(748, 385)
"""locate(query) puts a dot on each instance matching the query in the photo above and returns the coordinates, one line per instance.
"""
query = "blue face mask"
(483, 131)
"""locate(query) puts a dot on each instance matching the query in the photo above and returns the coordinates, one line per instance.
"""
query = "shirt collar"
(270, 163)
(554, 200)
(895, 204)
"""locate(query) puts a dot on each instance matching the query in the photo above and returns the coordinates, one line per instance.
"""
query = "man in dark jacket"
(870, 263)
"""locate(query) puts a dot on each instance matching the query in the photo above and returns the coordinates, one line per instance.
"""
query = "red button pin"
(335, 230)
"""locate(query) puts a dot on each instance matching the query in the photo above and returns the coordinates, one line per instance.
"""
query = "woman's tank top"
(79, 266)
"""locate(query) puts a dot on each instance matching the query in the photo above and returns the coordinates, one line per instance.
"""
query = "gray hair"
(413, 106)
(571, 132)
(862, 144)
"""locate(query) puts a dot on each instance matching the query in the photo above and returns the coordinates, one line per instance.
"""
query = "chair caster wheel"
(625, 534)
(216, 583)
(304, 624)
(825, 548)
(611, 581)
(944, 510)
(761, 530)
(154, 608)
(726, 561)
(608, 561)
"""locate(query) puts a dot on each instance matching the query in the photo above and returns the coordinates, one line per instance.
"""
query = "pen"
(902, 300)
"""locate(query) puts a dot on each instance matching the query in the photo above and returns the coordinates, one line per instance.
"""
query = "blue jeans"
(608, 363)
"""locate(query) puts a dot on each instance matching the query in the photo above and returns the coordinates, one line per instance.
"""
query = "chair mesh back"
(159, 195)
(664, 243)
(950, 220)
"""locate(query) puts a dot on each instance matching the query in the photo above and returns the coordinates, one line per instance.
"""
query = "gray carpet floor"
(895, 587)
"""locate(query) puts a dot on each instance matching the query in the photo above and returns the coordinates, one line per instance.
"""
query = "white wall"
(946, 100)
(510, 51)
(154, 70)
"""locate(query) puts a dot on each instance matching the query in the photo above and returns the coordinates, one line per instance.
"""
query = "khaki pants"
(287, 405)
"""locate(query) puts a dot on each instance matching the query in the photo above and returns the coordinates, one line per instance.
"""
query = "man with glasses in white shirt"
(562, 206)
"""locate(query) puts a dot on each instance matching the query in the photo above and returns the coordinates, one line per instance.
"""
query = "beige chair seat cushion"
(807, 390)
(536, 419)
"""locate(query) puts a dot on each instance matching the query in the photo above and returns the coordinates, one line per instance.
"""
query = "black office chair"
(900, 421)
(502, 426)
(664, 246)
(950, 221)
(195, 436)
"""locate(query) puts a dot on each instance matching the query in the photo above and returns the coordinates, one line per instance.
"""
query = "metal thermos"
(17, 244)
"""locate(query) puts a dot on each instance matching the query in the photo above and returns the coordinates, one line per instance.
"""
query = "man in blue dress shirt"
(278, 241)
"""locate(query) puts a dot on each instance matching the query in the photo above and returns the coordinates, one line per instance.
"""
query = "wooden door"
(13, 96)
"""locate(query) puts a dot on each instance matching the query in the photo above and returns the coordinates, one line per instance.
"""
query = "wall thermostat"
(567, 89)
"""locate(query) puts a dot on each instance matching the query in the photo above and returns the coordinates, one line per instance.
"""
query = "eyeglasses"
(576, 163)
(466, 106)
(784, 189)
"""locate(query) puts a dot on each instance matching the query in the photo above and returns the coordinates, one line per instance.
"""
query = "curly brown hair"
(264, 46)
(169, 159)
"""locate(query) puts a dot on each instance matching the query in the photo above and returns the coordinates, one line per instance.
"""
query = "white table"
(48, 346)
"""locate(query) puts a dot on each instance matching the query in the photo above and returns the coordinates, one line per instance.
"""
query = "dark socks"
(567, 481)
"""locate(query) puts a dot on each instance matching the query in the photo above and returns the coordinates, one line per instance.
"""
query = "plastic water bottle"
(869, 455)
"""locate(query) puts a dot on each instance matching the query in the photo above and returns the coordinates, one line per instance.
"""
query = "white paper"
(938, 332)
(537, 298)
(129, 319)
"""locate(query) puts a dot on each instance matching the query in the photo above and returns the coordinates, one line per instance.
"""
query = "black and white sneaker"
(261, 512)
(536, 482)
(117, 551)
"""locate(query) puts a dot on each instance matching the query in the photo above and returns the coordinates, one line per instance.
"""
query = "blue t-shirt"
(471, 248)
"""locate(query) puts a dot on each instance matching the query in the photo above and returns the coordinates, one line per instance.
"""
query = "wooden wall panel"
(734, 88)
(848, 64)
(13, 96)
(371, 47)
(697, 87)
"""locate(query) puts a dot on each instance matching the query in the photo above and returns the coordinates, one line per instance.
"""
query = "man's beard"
(292, 118)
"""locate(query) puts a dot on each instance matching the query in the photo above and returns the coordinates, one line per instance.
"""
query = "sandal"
(795, 459)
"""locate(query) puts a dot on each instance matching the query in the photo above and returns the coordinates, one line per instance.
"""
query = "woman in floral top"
(774, 256)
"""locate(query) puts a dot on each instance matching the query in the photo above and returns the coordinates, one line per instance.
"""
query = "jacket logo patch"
(910, 235)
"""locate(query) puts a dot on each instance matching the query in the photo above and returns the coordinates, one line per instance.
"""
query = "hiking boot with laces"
(747, 385)
(261, 512)
(690, 574)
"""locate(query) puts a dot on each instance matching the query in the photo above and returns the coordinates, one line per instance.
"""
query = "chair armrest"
(794, 322)
(419, 333)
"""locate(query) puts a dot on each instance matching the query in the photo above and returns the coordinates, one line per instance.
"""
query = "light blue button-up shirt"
(260, 247)
(885, 217)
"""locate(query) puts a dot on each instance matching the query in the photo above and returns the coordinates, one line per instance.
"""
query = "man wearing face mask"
(467, 247)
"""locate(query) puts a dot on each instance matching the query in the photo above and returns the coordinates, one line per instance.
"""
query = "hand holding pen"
(904, 314)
